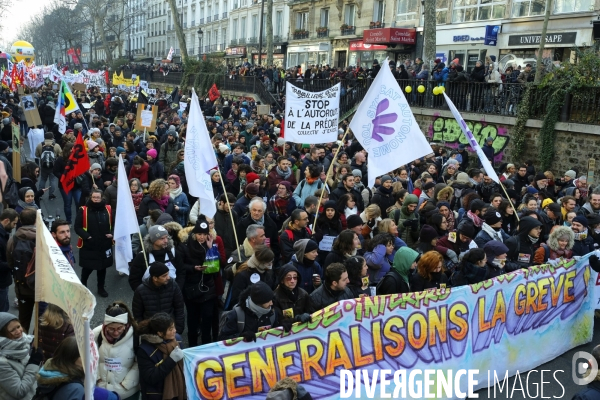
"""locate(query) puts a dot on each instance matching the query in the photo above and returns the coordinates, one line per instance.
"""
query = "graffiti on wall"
(447, 131)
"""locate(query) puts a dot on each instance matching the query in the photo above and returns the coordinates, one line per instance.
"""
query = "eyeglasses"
(291, 278)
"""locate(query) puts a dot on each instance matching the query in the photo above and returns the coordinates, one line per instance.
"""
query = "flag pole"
(510, 201)
(88, 389)
(36, 327)
(143, 248)
(237, 243)
(327, 175)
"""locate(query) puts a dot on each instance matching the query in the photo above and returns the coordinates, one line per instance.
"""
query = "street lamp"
(200, 33)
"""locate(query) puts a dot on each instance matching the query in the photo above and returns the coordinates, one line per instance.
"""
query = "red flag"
(78, 164)
(282, 128)
(213, 93)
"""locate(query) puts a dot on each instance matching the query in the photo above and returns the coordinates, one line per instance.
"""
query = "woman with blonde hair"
(55, 325)
(157, 198)
(371, 216)
(387, 225)
(430, 273)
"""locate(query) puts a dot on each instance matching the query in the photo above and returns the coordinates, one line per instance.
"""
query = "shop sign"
(390, 35)
(276, 50)
(467, 38)
(359, 45)
(235, 51)
(557, 38)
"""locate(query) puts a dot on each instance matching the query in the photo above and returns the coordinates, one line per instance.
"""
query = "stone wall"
(575, 143)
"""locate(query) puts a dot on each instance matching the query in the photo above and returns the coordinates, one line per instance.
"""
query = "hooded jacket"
(323, 296)
(297, 300)
(408, 233)
(137, 268)
(520, 248)
(154, 367)
(398, 278)
(18, 378)
(548, 251)
(252, 322)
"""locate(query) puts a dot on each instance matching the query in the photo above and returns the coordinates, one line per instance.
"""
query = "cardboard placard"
(143, 121)
(81, 87)
(32, 115)
(20, 90)
(263, 109)
(590, 174)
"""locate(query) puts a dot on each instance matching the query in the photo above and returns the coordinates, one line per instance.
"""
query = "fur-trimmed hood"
(558, 232)
(447, 191)
(47, 376)
(174, 228)
(184, 233)
(152, 339)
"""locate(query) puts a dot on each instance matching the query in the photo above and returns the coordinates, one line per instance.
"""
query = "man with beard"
(169, 149)
(93, 224)
(110, 171)
(8, 221)
(592, 206)
(281, 172)
(584, 243)
(158, 246)
(61, 232)
(486, 188)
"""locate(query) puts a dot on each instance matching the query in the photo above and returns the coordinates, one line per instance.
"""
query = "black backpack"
(48, 157)
(23, 254)
(241, 319)
(392, 274)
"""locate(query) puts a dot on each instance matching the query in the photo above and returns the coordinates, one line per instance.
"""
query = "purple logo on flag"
(381, 120)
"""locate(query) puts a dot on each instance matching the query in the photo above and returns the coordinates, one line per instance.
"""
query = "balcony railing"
(213, 48)
(348, 31)
(216, 18)
(201, 21)
(252, 40)
(300, 35)
(323, 33)
(376, 24)
(225, 15)
(233, 42)
(208, 19)
(193, 23)
(222, 47)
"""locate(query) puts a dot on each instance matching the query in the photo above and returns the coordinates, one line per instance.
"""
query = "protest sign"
(32, 115)
(489, 326)
(146, 118)
(57, 283)
(311, 117)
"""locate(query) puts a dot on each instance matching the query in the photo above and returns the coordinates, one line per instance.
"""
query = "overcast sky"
(19, 13)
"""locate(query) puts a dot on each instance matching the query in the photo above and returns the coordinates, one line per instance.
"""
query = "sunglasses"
(291, 278)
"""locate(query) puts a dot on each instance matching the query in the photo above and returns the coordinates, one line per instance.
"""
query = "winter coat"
(192, 276)
(124, 380)
(384, 199)
(5, 271)
(305, 189)
(241, 281)
(50, 338)
(96, 252)
(287, 243)
(225, 229)
(378, 262)
(485, 235)
(418, 283)
(168, 152)
(333, 257)
(275, 179)
(283, 301)
(409, 234)
(18, 379)
(148, 204)
(341, 190)
(180, 216)
(520, 249)
(252, 322)
(150, 299)
(392, 282)
(141, 173)
(154, 369)
(271, 233)
(137, 268)
(591, 392)
(323, 296)
(582, 247)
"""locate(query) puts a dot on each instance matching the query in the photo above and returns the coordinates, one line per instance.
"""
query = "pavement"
(558, 383)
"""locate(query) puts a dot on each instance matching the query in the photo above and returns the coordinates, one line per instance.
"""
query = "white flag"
(386, 127)
(125, 222)
(170, 55)
(489, 170)
(199, 159)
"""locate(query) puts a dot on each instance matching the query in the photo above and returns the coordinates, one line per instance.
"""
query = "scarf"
(350, 211)
(566, 253)
(68, 253)
(175, 192)
(27, 205)
(581, 235)
(174, 383)
(451, 221)
(473, 273)
(495, 235)
(283, 174)
(279, 204)
(109, 338)
(476, 220)
(254, 264)
(532, 239)
(163, 202)
(351, 254)
(17, 349)
(310, 180)
(256, 309)
(137, 199)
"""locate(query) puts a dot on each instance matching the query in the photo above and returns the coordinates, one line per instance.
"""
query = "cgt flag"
(386, 127)
(66, 105)
(213, 93)
(78, 164)
(489, 170)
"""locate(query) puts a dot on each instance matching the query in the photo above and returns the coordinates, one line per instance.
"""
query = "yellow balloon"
(421, 88)
(441, 89)
(408, 89)
(22, 51)
(436, 90)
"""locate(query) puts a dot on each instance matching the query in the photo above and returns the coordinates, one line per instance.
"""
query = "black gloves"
(249, 336)
(36, 356)
(594, 262)
(414, 224)
(303, 318)
(408, 222)
(371, 223)
(287, 325)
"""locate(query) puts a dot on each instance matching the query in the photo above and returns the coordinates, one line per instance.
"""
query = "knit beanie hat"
(252, 189)
(582, 220)
(120, 150)
(152, 153)
(494, 248)
(466, 228)
(428, 233)
(157, 232)
(201, 227)
(5, 318)
(158, 268)
(539, 177)
(357, 172)
(385, 178)
(492, 216)
(251, 177)
(91, 144)
(571, 174)
(329, 204)
(532, 190)
(353, 221)
(261, 293)
(302, 247)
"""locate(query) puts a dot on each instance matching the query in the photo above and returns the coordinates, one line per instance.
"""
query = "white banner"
(311, 117)
(125, 222)
(386, 127)
(56, 282)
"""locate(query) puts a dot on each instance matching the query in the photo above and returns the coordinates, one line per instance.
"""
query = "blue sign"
(491, 35)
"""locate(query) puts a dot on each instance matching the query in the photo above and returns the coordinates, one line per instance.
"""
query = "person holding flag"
(66, 105)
